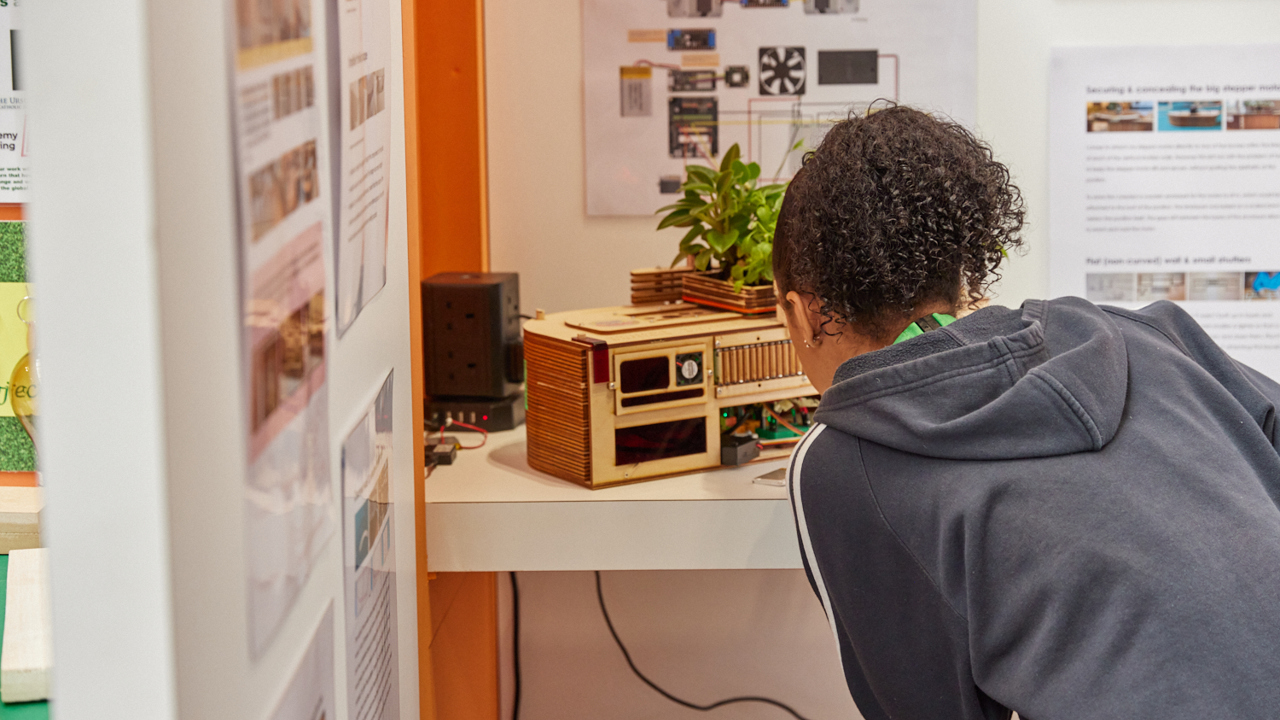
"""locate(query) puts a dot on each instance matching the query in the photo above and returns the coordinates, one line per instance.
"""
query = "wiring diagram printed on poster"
(1164, 182)
(284, 209)
(362, 161)
(674, 82)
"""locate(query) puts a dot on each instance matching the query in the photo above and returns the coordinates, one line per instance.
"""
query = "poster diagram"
(668, 82)
(285, 214)
(1165, 185)
(369, 561)
(362, 149)
(309, 695)
(13, 112)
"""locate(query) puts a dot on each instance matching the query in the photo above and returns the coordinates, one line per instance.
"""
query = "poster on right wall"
(1165, 185)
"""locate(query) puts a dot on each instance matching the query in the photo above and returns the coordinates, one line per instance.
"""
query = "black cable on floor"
(704, 708)
(515, 643)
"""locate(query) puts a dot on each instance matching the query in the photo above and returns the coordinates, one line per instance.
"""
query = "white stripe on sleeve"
(793, 484)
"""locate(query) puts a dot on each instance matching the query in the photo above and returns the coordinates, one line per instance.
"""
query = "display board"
(1165, 185)
(668, 82)
(309, 695)
(284, 238)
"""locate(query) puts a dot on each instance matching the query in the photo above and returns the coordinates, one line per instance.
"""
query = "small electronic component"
(737, 76)
(442, 454)
(848, 67)
(765, 3)
(694, 8)
(691, 39)
(691, 80)
(688, 369)
(738, 449)
(782, 71)
(636, 90)
(693, 129)
(831, 7)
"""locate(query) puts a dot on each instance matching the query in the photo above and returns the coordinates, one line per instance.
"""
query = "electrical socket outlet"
(469, 320)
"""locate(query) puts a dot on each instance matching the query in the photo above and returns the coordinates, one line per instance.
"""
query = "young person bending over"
(1065, 510)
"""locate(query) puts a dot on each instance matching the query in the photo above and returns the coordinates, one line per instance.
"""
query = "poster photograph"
(363, 157)
(283, 246)
(1165, 185)
(369, 561)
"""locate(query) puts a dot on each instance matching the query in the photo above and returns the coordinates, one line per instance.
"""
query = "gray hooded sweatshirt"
(1066, 510)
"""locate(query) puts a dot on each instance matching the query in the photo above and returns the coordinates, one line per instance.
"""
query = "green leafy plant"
(731, 221)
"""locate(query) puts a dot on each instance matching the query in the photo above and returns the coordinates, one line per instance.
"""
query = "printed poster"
(13, 112)
(19, 391)
(369, 561)
(309, 695)
(1165, 185)
(361, 173)
(283, 239)
(671, 82)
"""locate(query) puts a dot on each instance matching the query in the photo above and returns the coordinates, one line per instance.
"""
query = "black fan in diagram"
(782, 71)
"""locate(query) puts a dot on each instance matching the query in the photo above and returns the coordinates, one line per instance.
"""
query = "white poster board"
(281, 158)
(677, 81)
(1165, 185)
(369, 563)
(309, 695)
(361, 172)
(13, 112)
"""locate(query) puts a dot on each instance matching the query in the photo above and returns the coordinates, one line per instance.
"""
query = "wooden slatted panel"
(657, 285)
(557, 418)
(753, 363)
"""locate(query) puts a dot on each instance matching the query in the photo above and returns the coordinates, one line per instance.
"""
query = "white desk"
(490, 511)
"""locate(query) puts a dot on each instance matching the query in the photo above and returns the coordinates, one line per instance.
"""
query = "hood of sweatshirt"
(1048, 379)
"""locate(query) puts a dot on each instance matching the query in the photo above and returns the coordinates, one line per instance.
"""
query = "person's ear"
(804, 312)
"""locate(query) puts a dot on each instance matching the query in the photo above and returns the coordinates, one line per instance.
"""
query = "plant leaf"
(730, 157)
(675, 218)
(702, 260)
(700, 173)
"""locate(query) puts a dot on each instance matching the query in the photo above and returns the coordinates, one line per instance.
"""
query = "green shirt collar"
(915, 330)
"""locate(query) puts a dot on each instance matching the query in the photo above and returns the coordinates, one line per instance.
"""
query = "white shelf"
(491, 511)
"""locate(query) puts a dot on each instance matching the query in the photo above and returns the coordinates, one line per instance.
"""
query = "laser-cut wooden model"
(623, 394)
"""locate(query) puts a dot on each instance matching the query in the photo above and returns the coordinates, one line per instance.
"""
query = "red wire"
(783, 423)
(484, 433)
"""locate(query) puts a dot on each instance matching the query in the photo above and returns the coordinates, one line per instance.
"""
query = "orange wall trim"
(464, 649)
(453, 183)
(426, 684)
(448, 231)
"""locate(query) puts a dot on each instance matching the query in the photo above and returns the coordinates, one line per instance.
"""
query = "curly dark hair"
(896, 210)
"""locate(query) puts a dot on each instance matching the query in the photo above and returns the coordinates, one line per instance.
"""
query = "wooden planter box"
(657, 285)
(704, 290)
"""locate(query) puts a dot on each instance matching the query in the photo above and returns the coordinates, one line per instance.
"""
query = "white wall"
(143, 436)
(538, 227)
